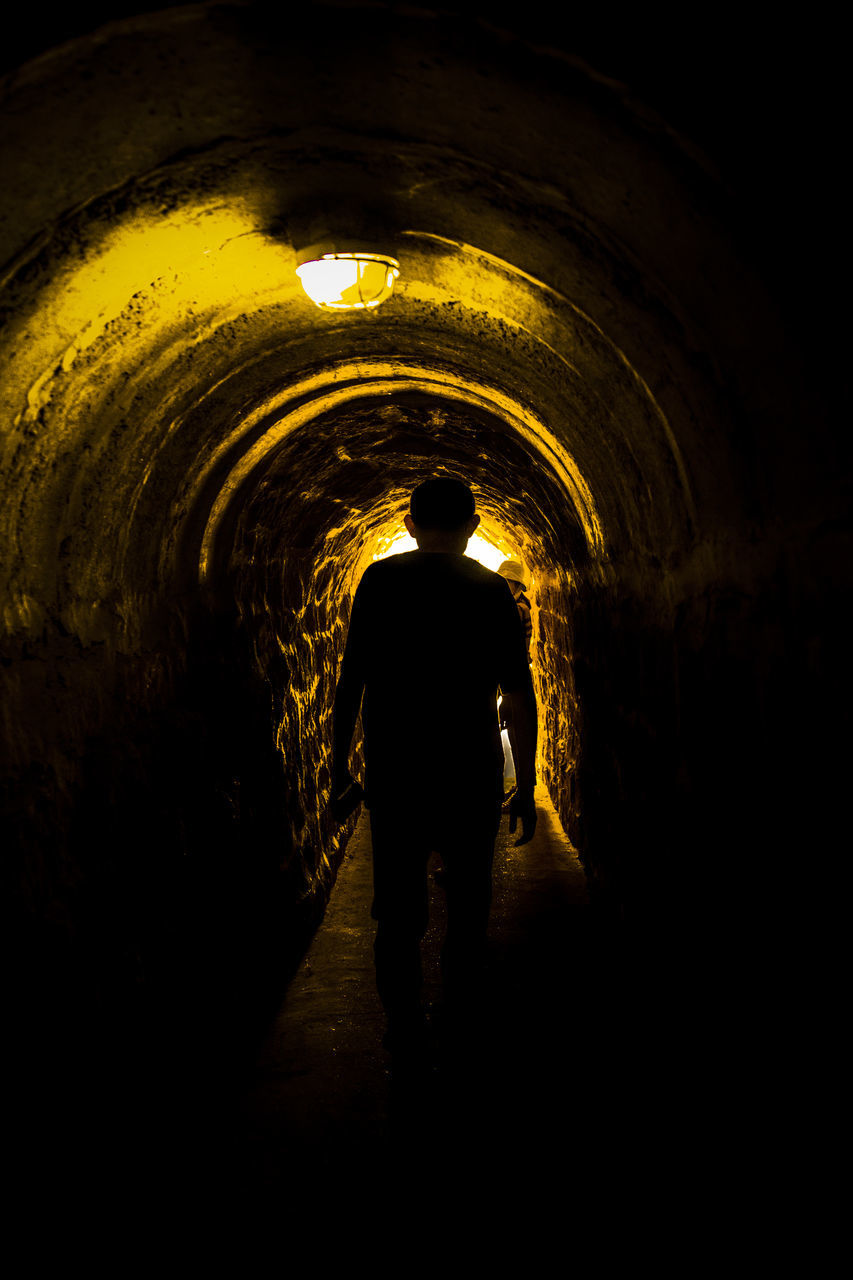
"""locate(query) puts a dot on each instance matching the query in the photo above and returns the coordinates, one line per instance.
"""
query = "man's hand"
(522, 806)
(341, 778)
(346, 795)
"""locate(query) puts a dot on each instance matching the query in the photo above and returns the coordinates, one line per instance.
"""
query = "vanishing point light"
(346, 280)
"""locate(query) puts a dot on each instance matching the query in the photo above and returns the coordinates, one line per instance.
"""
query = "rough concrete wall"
(700, 773)
(557, 700)
(150, 867)
(85, 728)
(294, 601)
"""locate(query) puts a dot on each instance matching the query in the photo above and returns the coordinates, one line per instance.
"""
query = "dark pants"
(404, 834)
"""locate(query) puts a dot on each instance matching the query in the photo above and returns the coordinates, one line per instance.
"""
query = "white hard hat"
(513, 570)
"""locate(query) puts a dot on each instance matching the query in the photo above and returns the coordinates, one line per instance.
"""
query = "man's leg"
(401, 911)
(468, 856)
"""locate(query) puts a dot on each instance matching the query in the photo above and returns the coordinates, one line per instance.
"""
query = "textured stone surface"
(196, 464)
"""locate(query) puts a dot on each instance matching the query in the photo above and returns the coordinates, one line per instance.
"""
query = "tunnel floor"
(539, 1068)
(562, 1086)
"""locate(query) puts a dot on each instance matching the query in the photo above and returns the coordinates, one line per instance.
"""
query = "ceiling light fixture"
(344, 281)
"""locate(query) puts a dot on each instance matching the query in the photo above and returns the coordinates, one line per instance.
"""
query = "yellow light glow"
(485, 552)
(479, 548)
(345, 281)
(210, 261)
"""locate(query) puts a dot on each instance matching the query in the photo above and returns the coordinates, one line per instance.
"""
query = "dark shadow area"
(141, 986)
(565, 1077)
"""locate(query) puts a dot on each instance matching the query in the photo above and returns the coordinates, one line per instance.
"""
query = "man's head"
(441, 515)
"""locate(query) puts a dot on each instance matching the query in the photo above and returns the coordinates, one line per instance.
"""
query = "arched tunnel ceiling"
(354, 466)
(556, 244)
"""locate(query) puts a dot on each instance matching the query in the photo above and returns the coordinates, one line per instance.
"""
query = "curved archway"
(581, 322)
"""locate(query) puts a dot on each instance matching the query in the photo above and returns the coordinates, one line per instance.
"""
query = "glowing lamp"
(346, 280)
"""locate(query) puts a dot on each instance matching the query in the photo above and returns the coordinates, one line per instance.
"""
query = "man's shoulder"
(479, 573)
(386, 575)
(405, 563)
(432, 577)
(388, 567)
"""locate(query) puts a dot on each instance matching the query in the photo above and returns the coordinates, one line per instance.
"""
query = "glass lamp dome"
(345, 281)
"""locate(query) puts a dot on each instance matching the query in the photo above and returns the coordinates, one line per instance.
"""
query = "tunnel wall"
(556, 697)
(161, 857)
(702, 780)
(566, 249)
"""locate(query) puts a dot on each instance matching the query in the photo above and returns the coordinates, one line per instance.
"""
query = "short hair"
(441, 503)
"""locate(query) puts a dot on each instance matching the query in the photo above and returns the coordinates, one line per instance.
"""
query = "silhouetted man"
(433, 636)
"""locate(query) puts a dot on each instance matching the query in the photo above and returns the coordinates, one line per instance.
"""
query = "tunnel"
(609, 319)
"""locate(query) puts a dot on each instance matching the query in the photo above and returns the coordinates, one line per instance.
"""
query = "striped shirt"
(526, 619)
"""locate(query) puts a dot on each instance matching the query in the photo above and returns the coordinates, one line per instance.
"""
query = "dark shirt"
(433, 636)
